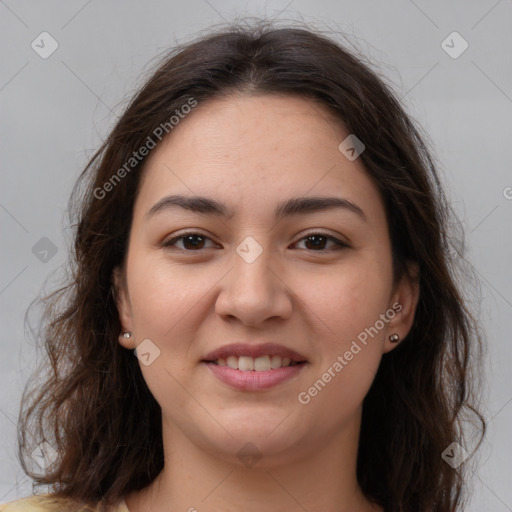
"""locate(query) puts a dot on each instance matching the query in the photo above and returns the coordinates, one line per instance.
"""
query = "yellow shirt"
(48, 503)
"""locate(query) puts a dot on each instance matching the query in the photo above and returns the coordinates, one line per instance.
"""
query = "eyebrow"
(293, 206)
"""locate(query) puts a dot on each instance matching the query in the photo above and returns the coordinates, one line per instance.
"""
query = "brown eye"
(190, 242)
(318, 242)
(194, 242)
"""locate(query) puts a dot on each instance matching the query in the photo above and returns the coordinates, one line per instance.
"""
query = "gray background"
(55, 112)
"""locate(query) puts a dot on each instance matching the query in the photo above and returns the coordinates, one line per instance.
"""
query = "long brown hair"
(93, 406)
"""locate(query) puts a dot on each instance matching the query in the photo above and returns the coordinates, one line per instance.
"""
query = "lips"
(254, 351)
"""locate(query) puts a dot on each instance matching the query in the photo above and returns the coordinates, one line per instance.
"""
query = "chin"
(266, 444)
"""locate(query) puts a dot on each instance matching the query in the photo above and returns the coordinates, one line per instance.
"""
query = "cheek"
(348, 350)
(164, 303)
(349, 302)
(161, 294)
(349, 297)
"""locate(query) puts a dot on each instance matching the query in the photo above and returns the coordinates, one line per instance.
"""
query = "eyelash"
(339, 243)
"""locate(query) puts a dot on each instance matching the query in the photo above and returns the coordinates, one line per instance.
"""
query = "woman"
(265, 230)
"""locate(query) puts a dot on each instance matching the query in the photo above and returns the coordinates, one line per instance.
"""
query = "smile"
(251, 379)
(257, 364)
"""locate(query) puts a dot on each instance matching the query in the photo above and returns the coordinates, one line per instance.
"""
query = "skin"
(251, 152)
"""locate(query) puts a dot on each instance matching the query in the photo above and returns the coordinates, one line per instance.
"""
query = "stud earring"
(394, 338)
(127, 334)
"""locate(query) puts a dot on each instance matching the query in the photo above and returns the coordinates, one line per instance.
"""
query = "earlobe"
(405, 300)
(126, 338)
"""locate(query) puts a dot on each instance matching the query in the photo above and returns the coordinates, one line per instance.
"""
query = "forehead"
(259, 149)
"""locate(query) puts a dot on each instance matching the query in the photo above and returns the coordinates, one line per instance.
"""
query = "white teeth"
(262, 363)
(232, 362)
(275, 362)
(258, 364)
(245, 363)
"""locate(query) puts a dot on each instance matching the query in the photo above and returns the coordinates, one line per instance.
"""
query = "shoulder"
(28, 504)
(49, 503)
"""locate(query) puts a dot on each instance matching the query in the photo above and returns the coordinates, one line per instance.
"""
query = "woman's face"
(254, 277)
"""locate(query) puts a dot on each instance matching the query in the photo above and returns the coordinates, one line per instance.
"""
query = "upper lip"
(245, 349)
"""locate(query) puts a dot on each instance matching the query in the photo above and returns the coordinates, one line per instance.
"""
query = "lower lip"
(253, 380)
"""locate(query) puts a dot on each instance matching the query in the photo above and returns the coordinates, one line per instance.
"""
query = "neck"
(195, 480)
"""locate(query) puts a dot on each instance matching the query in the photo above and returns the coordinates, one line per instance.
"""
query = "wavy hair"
(90, 401)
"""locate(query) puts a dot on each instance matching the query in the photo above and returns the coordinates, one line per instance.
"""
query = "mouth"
(254, 367)
(254, 380)
(251, 357)
(255, 364)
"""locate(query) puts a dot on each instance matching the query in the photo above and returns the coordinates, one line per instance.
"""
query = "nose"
(255, 291)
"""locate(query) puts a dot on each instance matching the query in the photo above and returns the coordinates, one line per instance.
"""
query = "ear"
(124, 308)
(404, 301)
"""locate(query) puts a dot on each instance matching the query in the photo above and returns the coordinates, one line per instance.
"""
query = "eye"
(191, 241)
(194, 242)
(317, 242)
